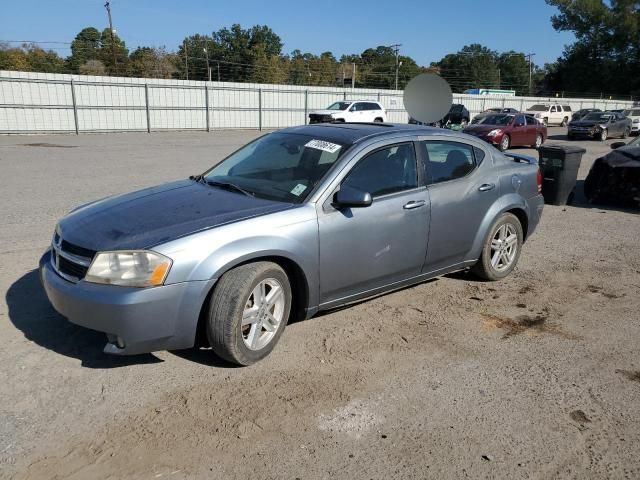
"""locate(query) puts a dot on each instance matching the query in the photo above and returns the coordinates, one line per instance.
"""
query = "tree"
(147, 62)
(13, 59)
(474, 66)
(513, 70)
(606, 54)
(92, 67)
(85, 47)
(113, 49)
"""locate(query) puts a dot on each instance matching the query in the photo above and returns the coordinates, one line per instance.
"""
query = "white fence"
(56, 103)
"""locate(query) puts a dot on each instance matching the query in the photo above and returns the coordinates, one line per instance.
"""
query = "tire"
(378, 120)
(485, 268)
(504, 143)
(602, 136)
(626, 133)
(564, 122)
(236, 295)
(570, 137)
(539, 141)
(545, 121)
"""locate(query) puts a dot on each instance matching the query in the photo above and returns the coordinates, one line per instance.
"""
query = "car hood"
(326, 112)
(159, 214)
(475, 129)
(585, 123)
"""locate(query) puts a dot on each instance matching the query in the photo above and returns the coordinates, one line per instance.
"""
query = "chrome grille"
(70, 261)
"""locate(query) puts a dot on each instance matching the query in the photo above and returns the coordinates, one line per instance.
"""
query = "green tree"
(113, 53)
(147, 62)
(474, 66)
(85, 47)
(514, 72)
(606, 54)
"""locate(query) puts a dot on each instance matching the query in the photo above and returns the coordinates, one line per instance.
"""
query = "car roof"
(350, 133)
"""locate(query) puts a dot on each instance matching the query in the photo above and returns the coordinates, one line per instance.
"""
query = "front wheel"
(603, 135)
(501, 250)
(504, 143)
(626, 133)
(248, 312)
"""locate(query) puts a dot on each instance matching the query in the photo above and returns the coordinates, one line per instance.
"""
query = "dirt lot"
(537, 376)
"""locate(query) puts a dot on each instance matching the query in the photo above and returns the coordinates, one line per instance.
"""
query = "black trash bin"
(559, 165)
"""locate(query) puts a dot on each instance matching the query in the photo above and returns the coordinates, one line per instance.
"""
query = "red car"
(509, 130)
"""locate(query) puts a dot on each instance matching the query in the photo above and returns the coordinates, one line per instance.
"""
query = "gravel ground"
(536, 376)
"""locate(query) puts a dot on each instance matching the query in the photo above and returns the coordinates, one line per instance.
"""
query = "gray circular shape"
(427, 98)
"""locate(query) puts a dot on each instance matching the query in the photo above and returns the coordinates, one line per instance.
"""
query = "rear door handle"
(414, 204)
(485, 187)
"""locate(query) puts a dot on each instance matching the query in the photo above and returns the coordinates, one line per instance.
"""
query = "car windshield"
(456, 108)
(635, 142)
(283, 167)
(339, 106)
(598, 117)
(538, 108)
(497, 120)
(631, 113)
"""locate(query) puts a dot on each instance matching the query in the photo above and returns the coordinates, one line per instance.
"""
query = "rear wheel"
(626, 133)
(564, 122)
(539, 141)
(545, 121)
(504, 143)
(248, 312)
(378, 120)
(501, 250)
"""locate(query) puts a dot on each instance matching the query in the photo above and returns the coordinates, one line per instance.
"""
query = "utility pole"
(218, 65)
(353, 77)
(208, 67)
(113, 45)
(529, 55)
(396, 47)
(186, 59)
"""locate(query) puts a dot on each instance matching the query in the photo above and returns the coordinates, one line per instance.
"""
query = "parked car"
(508, 130)
(350, 111)
(492, 111)
(298, 221)
(583, 112)
(457, 115)
(600, 126)
(633, 114)
(554, 114)
(615, 177)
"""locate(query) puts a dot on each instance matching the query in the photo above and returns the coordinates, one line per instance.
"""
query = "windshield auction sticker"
(298, 189)
(322, 145)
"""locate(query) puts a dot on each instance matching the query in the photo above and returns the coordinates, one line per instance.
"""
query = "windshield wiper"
(196, 178)
(229, 186)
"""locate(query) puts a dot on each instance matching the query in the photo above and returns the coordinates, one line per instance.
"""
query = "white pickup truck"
(551, 114)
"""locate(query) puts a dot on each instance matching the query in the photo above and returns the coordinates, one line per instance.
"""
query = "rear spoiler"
(522, 158)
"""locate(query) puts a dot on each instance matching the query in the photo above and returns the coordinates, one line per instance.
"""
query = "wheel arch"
(512, 203)
(299, 287)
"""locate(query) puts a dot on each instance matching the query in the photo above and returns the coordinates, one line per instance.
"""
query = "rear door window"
(446, 160)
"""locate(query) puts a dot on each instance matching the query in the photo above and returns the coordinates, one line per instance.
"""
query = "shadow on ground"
(31, 312)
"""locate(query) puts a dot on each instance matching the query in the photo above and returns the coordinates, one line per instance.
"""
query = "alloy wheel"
(263, 314)
(504, 246)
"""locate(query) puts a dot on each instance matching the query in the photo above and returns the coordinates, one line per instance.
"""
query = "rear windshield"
(497, 120)
(538, 108)
(283, 167)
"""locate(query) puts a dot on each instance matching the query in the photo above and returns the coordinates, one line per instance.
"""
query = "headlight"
(636, 121)
(494, 132)
(136, 268)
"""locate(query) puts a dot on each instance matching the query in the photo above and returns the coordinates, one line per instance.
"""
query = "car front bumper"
(584, 133)
(136, 320)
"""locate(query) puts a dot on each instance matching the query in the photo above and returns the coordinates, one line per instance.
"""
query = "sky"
(427, 29)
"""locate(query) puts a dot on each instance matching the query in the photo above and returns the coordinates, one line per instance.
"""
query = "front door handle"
(485, 187)
(414, 204)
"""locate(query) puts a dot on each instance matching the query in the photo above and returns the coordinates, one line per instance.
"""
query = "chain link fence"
(56, 103)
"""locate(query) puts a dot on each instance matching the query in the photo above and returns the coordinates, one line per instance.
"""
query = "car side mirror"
(349, 197)
(615, 145)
